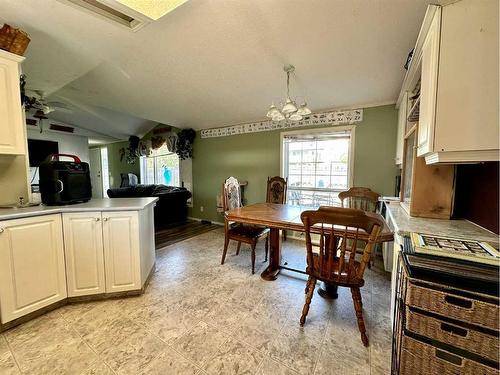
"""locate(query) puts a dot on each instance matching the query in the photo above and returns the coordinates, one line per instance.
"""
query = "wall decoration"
(157, 141)
(349, 116)
(184, 144)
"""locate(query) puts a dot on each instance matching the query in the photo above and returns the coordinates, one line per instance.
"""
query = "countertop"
(108, 204)
(403, 223)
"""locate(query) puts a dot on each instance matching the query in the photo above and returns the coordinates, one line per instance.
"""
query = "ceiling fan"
(41, 105)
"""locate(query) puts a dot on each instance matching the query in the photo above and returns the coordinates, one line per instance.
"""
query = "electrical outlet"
(201, 208)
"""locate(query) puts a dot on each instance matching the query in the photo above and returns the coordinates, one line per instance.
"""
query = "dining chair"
(334, 261)
(364, 199)
(276, 193)
(249, 234)
(359, 197)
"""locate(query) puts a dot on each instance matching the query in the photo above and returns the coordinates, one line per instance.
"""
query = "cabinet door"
(121, 251)
(84, 253)
(402, 114)
(12, 127)
(32, 273)
(428, 87)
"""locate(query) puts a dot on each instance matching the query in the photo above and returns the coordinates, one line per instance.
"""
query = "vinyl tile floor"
(200, 317)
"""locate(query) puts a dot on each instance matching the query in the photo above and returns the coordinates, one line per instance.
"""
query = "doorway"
(96, 172)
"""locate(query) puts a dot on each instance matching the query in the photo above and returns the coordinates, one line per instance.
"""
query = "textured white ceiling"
(215, 62)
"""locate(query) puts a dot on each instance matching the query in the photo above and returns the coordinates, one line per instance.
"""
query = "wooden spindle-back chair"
(276, 193)
(364, 199)
(250, 234)
(359, 197)
(334, 261)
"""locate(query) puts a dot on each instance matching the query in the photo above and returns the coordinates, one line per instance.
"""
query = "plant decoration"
(157, 141)
(184, 144)
(132, 152)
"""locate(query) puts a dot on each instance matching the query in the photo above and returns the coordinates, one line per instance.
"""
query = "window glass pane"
(317, 168)
(309, 155)
(308, 168)
(161, 168)
(294, 168)
(294, 180)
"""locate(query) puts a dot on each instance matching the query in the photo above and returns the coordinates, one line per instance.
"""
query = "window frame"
(333, 129)
(143, 159)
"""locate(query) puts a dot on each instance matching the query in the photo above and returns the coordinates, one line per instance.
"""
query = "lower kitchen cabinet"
(84, 253)
(32, 271)
(121, 251)
(102, 252)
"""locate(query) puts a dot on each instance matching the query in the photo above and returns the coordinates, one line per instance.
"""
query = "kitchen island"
(52, 255)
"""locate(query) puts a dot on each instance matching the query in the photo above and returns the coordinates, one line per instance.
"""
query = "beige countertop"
(403, 223)
(108, 204)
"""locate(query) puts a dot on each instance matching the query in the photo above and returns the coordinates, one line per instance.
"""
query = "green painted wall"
(254, 157)
(116, 166)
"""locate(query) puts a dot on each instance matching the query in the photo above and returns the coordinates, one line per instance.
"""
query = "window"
(318, 165)
(162, 167)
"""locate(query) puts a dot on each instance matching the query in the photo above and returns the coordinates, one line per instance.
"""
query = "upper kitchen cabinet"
(456, 64)
(12, 128)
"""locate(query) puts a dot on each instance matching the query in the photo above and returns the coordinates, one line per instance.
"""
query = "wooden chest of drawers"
(443, 329)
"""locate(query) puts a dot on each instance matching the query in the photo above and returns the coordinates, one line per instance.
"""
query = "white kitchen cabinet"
(12, 127)
(457, 59)
(428, 88)
(84, 253)
(121, 251)
(32, 272)
(402, 113)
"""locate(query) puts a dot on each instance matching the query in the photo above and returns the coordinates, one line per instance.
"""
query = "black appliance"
(64, 182)
(38, 150)
(397, 187)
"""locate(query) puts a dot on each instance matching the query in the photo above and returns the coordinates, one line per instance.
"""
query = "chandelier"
(289, 110)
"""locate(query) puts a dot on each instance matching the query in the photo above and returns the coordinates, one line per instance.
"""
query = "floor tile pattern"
(200, 317)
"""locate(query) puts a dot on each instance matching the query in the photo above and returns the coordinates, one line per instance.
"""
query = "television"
(38, 150)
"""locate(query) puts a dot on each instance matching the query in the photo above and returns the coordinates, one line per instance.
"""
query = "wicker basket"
(480, 343)
(457, 307)
(418, 358)
(13, 40)
(7, 34)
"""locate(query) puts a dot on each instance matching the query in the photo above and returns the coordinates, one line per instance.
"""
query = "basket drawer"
(456, 307)
(479, 343)
(420, 358)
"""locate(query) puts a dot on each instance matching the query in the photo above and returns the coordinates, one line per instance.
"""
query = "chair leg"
(238, 248)
(267, 248)
(311, 282)
(358, 306)
(308, 283)
(283, 234)
(226, 243)
(253, 258)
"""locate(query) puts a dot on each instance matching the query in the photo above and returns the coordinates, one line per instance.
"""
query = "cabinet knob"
(97, 219)
(1, 230)
(105, 218)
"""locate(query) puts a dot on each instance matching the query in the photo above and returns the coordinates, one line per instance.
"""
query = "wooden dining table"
(287, 217)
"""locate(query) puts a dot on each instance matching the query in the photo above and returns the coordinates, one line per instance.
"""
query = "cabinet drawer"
(418, 358)
(456, 307)
(476, 342)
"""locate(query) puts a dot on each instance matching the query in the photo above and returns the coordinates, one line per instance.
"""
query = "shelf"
(414, 112)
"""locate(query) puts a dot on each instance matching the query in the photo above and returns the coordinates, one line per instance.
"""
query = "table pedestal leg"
(273, 269)
(328, 291)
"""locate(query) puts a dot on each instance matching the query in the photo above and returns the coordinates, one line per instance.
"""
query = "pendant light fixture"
(289, 110)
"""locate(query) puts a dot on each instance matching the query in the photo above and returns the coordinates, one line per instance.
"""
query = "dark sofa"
(171, 206)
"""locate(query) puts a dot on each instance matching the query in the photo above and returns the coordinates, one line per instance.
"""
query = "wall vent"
(62, 128)
(113, 11)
